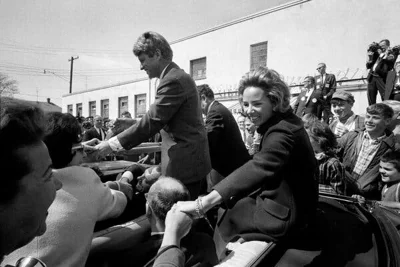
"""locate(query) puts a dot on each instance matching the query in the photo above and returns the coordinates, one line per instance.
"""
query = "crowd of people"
(258, 176)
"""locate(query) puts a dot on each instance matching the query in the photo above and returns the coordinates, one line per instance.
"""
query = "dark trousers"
(374, 85)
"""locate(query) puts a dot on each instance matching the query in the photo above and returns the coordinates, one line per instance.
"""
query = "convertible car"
(345, 233)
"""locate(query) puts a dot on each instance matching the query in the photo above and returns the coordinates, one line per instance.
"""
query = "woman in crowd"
(330, 171)
(82, 201)
(274, 195)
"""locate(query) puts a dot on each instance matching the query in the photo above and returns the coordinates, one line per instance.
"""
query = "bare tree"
(8, 86)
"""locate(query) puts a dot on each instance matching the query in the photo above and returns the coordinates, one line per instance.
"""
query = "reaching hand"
(177, 223)
(103, 149)
(92, 142)
(359, 198)
(188, 207)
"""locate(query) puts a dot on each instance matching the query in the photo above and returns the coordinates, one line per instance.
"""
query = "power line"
(19, 47)
(37, 95)
(120, 71)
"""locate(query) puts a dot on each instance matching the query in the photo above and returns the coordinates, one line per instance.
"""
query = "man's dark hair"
(149, 42)
(62, 132)
(381, 109)
(387, 42)
(126, 113)
(162, 197)
(392, 156)
(205, 90)
(21, 125)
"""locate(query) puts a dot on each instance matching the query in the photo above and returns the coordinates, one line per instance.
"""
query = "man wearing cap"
(344, 118)
(327, 84)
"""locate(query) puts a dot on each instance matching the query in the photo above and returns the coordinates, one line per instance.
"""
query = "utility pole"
(70, 77)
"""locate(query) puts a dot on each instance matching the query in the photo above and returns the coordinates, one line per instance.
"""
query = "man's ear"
(157, 54)
(388, 121)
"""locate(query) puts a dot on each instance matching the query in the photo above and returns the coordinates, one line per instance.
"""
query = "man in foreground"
(28, 187)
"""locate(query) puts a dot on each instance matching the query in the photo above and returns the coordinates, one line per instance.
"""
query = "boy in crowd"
(390, 175)
(361, 151)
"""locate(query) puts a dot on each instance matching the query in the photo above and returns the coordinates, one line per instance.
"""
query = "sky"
(38, 38)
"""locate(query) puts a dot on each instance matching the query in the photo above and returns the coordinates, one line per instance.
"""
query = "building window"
(122, 105)
(104, 108)
(258, 55)
(198, 68)
(69, 109)
(79, 110)
(92, 108)
(140, 105)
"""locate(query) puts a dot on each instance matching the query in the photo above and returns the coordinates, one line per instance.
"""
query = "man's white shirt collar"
(162, 73)
(209, 107)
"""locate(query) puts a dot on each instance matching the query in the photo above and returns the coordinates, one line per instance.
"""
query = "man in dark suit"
(309, 100)
(379, 63)
(392, 87)
(175, 113)
(96, 131)
(227, 150)
(327, 84)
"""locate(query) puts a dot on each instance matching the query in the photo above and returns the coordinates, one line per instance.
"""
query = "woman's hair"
(309, 119)
(323, 135)
(392, 156)
(62, 132)
(272, 85)
(149, 42)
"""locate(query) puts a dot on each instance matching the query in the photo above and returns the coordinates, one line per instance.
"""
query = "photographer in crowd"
(380, 60)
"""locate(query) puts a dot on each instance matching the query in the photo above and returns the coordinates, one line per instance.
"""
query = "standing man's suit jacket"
(390, 80)
(312, 105)
(176, 112)
(227, 150)
(328, 87)
(92, 133)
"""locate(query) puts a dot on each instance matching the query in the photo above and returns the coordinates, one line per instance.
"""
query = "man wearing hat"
(344, 118)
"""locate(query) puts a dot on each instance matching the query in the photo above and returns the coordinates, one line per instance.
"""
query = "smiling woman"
(274, 195)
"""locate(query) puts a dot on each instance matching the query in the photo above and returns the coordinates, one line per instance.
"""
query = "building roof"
(45, 106)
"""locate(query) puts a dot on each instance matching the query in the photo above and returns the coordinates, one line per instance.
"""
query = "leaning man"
(175, 113)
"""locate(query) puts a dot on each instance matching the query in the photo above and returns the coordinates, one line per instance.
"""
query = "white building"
(292, 39)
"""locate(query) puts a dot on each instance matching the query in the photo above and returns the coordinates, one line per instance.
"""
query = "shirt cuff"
(115, 144)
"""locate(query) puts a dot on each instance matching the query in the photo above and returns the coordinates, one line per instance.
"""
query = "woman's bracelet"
(199, 208)
(200, 212)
